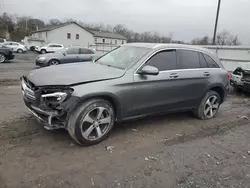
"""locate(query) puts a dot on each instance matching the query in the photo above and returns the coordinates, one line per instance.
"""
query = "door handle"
(206, 74)
(174, 75)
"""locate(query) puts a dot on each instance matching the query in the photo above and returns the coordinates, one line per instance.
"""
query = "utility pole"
(216, 21)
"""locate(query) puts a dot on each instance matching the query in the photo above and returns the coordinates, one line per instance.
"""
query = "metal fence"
(103, 47)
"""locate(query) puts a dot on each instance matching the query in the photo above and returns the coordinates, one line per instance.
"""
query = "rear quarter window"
(203, 62)
(211, 63)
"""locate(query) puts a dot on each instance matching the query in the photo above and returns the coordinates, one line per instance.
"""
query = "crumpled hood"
(73, 74)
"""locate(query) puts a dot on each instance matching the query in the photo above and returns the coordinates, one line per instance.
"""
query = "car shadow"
(152, 121)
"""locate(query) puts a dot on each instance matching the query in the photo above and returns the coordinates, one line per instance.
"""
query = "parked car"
(240, 77)
(15, 46)
(6, 54)
(132, 81)
(49, 48)
(66, 55)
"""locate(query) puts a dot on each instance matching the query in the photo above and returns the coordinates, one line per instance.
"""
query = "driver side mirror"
(148, 70)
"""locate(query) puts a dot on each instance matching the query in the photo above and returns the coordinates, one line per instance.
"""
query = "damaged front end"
(246, 80)
(50, 104)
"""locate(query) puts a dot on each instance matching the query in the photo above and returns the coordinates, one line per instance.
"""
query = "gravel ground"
(175, 150)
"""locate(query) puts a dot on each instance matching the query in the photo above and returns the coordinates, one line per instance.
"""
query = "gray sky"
(186, 19)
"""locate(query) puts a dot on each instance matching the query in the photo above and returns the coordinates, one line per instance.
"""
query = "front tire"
(2, 58)
(19, 51)
(54, 62)
(91, 122)
(208, 106)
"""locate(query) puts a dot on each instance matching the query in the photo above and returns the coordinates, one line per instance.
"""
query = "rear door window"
(86, 51)
(165, 60)
(57, 46)
(211, 63)
(73, 51)
(188, 59)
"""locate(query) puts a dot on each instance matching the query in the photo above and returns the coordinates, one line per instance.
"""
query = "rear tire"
(2, 58)
(32, 48)
(208, 106)
(91, 122)
(43, 51)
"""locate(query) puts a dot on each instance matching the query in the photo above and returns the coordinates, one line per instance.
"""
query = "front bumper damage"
(50, 119)
(51, 116)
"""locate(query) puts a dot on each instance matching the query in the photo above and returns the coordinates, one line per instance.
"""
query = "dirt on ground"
(175, 150)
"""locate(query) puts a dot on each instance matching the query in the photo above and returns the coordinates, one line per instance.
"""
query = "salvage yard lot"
(175, 150)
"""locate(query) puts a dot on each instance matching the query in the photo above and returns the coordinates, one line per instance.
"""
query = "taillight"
(228, 75)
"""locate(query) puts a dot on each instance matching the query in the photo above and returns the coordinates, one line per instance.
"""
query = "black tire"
(32, 48)
(54, 62)
(19, 51)
(2, 58)
(43, 51)
(76, 121)
(199, 112)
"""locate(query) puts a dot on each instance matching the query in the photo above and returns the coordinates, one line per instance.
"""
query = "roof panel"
(107, 35)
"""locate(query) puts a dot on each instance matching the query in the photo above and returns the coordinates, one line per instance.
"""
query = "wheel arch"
(43, 50)
(54, 59)
(111, 98)
(219, 89)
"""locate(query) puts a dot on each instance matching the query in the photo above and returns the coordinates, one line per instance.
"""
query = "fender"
(213, 86)
(113, 99)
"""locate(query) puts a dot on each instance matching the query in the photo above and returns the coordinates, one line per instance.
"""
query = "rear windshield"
(123, 57)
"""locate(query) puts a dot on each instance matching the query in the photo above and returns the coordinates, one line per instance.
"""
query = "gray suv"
(132, 81)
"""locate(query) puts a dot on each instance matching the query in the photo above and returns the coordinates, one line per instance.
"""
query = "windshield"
(63, 50)
(123, 57)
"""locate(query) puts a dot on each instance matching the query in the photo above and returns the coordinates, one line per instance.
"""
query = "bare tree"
(201, 41)
(29, 24)
(226, 38)
(54, 22)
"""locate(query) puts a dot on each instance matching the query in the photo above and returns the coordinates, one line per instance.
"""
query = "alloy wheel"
(211, 106)
(54, 62)
(2, 58)
(96, 123)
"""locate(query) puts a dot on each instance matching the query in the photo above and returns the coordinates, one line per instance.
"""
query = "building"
(74, 34)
